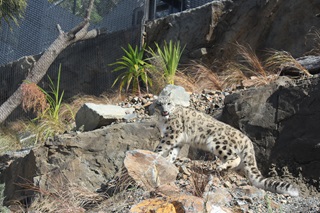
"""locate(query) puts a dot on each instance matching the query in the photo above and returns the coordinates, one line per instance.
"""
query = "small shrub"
(167, 59)
(53, 117)
(135, 67)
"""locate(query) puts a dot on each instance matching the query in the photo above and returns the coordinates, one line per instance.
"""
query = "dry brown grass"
(186, 81)
(121, 182)
(33, 99)
(196, 77)
(247, 71)
(8, 140)
(315, 38)
(62, 196)
(198, 180)
(156, 73)
(278, 60)
(233, 76)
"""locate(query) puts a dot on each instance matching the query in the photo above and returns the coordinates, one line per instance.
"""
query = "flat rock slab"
(93, 116)
(149, 169)
(175, 204)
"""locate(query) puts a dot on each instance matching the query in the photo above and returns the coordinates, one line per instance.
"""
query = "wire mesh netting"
(120, 19)
(38, 28)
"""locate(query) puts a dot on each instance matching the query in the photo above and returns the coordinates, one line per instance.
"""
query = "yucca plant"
(169, 57)
(136, 68)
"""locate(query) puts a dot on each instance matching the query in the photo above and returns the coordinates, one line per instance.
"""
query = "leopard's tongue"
(165, 113)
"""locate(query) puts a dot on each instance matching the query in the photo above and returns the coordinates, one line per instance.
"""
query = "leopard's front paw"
(221, 167)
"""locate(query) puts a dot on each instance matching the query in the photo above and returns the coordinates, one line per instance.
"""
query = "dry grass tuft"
(247, 71)
(315, 37)
(121, 182)
(197, 76)
(157, 74)
(199, 180)
(278, 60)
(233, 76)
(186, 81)
(8, 140)
(62, 196)
(205, 78)
(33, 98)
(250, 61)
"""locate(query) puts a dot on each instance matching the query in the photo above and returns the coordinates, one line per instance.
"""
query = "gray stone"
(92, 116)
(86, 159)
(283, 123)
(199, 53)
(178, 95)
(219, 25)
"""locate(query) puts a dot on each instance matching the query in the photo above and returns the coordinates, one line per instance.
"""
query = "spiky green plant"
(54, 97)
(169, 57)
(12, 10)
(56, 117)
(136, 68)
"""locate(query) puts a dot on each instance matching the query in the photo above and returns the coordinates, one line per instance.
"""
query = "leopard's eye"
(169, 103)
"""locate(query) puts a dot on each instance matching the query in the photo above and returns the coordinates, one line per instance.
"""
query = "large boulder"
(86, 159)
(282, 119)
(216, 27)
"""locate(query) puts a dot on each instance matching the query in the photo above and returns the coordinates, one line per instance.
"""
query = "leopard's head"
(165, 106)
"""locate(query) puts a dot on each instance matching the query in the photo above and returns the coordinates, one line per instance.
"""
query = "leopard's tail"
(256, 179)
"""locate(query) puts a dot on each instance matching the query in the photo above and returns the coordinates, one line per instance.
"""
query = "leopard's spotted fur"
(179, 125)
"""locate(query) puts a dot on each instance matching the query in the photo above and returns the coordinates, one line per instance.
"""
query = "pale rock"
(92, 116)
(176, 93)
(218, 197)
(149, 169)
(174, 204)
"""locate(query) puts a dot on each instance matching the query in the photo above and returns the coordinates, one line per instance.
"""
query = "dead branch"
(78, 33)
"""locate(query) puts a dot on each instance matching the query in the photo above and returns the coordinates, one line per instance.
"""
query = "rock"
(178, 95)
(217, 26)
(175, 204)
(149, 169)
(218, 197)
(250, 191)
(282, 121)
(92, 116)
(198, 53)
(86, 159)
(156, 206)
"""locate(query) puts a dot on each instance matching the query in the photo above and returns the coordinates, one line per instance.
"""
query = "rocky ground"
(197, 185)
(233, 192)
(228, 192)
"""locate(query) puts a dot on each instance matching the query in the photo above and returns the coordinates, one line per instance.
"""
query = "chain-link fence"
(88, 68)
(38, 28)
